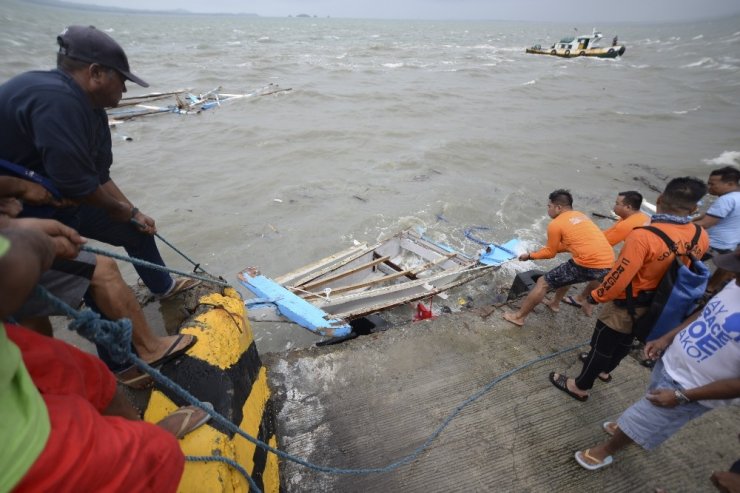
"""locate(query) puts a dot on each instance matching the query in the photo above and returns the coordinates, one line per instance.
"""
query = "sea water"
(389, 125)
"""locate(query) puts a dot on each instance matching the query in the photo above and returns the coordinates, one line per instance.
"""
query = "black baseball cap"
(87, 44)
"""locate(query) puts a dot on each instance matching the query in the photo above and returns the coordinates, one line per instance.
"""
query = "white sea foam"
(530, 83)
(727, 158)
(683, 112)
(704, 62)
(701, 36)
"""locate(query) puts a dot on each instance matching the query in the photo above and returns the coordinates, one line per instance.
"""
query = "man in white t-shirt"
(700, 372)
(722, 219)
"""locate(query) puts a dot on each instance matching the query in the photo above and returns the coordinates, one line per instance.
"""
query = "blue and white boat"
(325, 295)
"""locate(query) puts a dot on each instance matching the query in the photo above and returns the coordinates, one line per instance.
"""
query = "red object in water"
(422, 312)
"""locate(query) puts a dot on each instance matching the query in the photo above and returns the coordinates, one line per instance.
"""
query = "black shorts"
(571, 273)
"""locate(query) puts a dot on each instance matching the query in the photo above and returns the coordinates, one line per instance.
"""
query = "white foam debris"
(727, 158)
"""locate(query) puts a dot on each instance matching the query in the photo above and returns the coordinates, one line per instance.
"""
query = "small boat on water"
(324, 296)
(581, 45)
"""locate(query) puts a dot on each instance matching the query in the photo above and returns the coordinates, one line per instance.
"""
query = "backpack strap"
(666, 239)
(672, 247)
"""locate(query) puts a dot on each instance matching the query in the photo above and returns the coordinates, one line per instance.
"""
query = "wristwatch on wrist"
(134, 211)
(681, 397)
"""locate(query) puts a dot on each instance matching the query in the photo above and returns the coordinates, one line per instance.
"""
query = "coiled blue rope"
(115, 336)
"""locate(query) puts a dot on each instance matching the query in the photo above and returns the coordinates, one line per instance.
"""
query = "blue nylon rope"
(196, 266)
(150, 265)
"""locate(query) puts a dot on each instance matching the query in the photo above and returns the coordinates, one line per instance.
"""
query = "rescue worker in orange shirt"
(627, 207)
(643, 261)
(569, 231)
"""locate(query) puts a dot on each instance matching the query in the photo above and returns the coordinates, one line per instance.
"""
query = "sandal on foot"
(582, 456)
(561, 383)
(173, 353)
(134, 378)
(569, 300)
(194, 417)
(610, 427)
(181, 285)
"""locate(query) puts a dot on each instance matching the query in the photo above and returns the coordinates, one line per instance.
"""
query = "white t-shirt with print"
(709, 348)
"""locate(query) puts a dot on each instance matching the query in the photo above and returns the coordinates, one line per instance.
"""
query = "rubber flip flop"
(182, 284)
(188, 424)
(610, 427)
(171, 353)
(561, 383)
(569, 300)
(134, 378)
(587, 465)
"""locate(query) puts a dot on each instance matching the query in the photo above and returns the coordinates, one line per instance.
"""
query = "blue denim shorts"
(569, 273)
(649, 425)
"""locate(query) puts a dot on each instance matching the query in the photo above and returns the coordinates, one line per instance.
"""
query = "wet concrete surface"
(371, 401)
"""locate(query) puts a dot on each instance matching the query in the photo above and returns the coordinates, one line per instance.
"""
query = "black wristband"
(134, 211)
(591, 300)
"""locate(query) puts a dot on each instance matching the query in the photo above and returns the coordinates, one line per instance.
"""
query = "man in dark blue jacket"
(54, 124)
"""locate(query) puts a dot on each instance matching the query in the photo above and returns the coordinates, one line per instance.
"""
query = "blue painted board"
(295, 308)
(498, 254)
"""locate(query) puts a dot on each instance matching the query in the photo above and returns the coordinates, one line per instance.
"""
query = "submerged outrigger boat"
(584, 45)
(324, 296)
(185, 102)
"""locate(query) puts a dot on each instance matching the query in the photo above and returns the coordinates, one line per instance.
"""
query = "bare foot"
(588, 309)
(554, 307)
(511, 317)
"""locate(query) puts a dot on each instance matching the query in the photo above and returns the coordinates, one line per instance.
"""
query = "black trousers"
(608, 349)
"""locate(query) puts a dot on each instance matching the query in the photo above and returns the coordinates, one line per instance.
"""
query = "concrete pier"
(369, 402)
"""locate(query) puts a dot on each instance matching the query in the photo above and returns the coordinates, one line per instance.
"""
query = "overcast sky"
(528, 10)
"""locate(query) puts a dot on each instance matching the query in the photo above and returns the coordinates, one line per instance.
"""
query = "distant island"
(120, 10)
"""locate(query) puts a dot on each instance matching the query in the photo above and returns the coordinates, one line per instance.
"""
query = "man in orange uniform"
(627, 207)
(643, 261)
(569, 231)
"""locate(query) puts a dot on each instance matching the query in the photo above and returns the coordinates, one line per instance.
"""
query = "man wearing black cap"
(54, 124)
